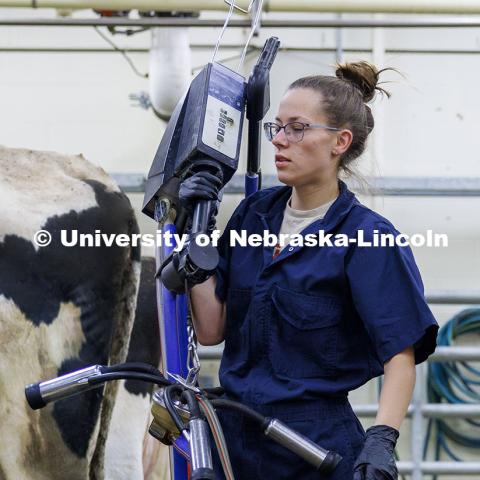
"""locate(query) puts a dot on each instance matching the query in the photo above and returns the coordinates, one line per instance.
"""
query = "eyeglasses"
(294, 131)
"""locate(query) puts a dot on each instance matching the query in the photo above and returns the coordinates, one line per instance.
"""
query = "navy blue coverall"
(305, 328)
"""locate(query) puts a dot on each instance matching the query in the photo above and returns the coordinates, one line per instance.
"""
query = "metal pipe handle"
(41, 393)
(323, 460)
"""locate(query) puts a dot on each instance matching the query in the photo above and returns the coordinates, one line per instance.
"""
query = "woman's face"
(314, 159)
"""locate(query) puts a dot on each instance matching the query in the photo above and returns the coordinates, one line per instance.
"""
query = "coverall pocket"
(236, 330)
(303, 337)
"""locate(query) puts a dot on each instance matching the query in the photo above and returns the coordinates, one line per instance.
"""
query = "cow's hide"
(62, 309)
(130, 453)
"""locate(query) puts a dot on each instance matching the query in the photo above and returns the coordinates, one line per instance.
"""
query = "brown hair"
(345, 98)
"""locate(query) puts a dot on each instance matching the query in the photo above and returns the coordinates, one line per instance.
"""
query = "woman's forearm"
(397, 390)
(208, 313)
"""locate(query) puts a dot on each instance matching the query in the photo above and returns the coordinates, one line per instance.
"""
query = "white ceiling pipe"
(159, 5)
(170, 68)
(358, 6)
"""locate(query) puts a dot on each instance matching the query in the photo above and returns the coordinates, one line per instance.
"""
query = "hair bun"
(362, 75)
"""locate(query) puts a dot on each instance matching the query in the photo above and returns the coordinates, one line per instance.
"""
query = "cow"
(64, 308)
(131, 410)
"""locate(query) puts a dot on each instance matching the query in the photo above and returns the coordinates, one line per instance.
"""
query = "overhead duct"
(170, 69)
(354, 6)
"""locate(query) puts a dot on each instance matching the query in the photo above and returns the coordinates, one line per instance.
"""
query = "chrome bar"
(387, 186)
(213, 23)
(430, 410)
(447, 354)
(416, 431)
(442, 468)
(449, 297)
(441, 354)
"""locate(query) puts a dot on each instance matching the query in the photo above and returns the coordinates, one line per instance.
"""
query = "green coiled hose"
(455, 383)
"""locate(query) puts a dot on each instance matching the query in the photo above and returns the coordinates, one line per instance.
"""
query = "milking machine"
(203, 134)
(182, 416)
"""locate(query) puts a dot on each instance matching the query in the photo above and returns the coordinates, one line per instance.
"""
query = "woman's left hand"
(376, 460)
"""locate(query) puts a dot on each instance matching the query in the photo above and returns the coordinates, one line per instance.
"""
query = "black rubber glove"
(376, 460)
(200, 186)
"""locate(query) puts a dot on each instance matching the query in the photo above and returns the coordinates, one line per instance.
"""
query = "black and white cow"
(132, 406)
(64, 308)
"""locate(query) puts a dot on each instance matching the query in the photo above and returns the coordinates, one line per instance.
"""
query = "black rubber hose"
(189, 397)
(145, 377)
(255, 416)
(214, 392)
(133, 367)
(167, 398)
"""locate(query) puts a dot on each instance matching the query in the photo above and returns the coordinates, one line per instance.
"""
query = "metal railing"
(391, 186)
(418, 409)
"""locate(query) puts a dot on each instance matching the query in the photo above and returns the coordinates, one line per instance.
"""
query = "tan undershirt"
(294, 221)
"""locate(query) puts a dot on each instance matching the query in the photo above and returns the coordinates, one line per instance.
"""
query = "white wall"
(78, 102)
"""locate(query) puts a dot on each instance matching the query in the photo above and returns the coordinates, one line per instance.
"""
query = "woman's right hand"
(200, 186)
(208, 312)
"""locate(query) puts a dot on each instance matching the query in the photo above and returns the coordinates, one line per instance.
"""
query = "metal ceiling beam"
(200, 23)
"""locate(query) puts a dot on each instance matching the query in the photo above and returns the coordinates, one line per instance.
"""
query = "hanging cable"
(242, 9)
(123, 53)
(252, 31)
(454, 383)
(227, 59)
(227, 20)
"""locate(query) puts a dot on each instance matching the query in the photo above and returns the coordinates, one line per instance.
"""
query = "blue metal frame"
(173, 328)
(251, 184)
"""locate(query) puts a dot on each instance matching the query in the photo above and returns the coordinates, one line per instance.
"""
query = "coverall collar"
(271, 215)
(271, 212)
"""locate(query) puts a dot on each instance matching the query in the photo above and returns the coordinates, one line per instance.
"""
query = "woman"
(304, 325)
